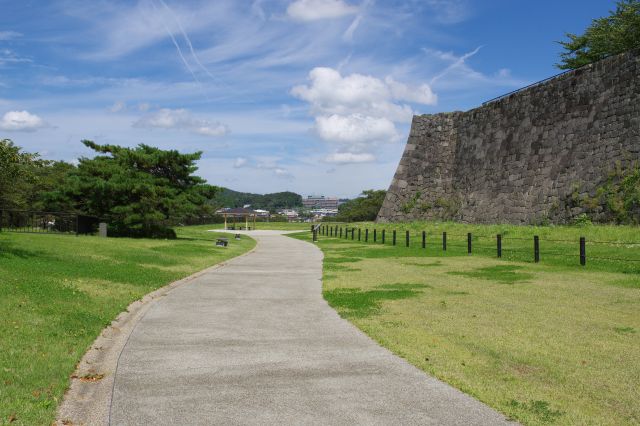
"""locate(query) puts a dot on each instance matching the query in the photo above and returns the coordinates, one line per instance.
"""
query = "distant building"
(320, 213)
(289, 213)
(320, 202)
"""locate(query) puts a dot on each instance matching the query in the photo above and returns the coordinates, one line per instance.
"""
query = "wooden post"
(375, 235)
(469, 237)
(536, 249)
(394, 237)
(359, 232)
(383, 236)
(424, 239)
(499, 244)
(407, 238)
(583, 251)
(444, 241)
(366, 235)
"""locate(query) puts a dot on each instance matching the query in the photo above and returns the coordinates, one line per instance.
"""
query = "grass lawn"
(57, 292)
(544, 343)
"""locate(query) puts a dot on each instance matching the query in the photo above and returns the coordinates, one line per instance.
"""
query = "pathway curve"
(254, 342)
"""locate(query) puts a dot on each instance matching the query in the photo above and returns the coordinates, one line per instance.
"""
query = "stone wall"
(522, 158)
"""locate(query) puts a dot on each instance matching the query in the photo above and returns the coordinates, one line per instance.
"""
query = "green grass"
(57, 292)
(608, 248)
(546, 343)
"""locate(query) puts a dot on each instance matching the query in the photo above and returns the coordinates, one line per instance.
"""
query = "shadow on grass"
(8, 250)
(358, 303)
(502, 274)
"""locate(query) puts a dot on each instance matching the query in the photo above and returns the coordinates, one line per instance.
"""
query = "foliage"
(271, 202)
(57, 293)
(17, 174)
(606, 36)
(365, 207)
(616, 201)
(138, 191)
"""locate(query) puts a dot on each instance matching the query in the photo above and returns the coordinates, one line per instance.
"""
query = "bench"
(222, 242)
(237, 236)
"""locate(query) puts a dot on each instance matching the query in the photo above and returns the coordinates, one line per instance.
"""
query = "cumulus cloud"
(21, 121)
(181, 119)
(312, 10)
(349, 157)
(359, 111)
(356, 130)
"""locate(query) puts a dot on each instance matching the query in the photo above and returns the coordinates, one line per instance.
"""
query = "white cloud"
(282, 173)
(420, 95)
(312, 10)
(21, 121)
(9, 57)
(349, 157)
(355, 130)
(118, 106)
(181, 119)
(239, 162)
(331, 93)
(359, 112)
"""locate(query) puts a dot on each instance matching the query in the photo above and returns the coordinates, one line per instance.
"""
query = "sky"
(310, 96)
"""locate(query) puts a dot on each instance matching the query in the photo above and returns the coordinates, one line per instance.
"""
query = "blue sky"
(312, 96)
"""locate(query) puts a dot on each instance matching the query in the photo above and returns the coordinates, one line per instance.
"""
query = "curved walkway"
(254, 342)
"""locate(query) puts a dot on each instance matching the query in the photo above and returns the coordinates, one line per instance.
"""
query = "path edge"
(87, 400)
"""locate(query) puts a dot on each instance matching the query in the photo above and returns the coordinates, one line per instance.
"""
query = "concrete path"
(255, 343)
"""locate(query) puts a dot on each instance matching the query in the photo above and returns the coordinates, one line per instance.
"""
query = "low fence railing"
(28, 221)
(532, 249)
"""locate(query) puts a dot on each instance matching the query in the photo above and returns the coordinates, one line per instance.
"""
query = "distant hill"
(278, 200)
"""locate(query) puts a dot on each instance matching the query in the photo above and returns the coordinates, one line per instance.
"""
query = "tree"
(17, 175)
(139, 191)
(363, 208)
(606, 36)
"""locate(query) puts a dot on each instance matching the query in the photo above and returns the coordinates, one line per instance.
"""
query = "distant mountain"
(278, 200)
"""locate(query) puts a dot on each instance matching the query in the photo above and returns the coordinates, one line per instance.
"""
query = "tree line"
(139, 192)
(272, 202)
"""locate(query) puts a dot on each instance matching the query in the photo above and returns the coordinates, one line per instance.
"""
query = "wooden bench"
(222, 242)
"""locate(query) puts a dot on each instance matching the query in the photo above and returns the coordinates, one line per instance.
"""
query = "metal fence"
(27, 221)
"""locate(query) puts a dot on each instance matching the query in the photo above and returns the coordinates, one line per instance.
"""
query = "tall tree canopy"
(363, 208)
(140, 191)
(18, 175)
(606, 36)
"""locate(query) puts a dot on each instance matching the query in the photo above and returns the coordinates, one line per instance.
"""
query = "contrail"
(188, 41)
(175, 43)
(456, 64)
